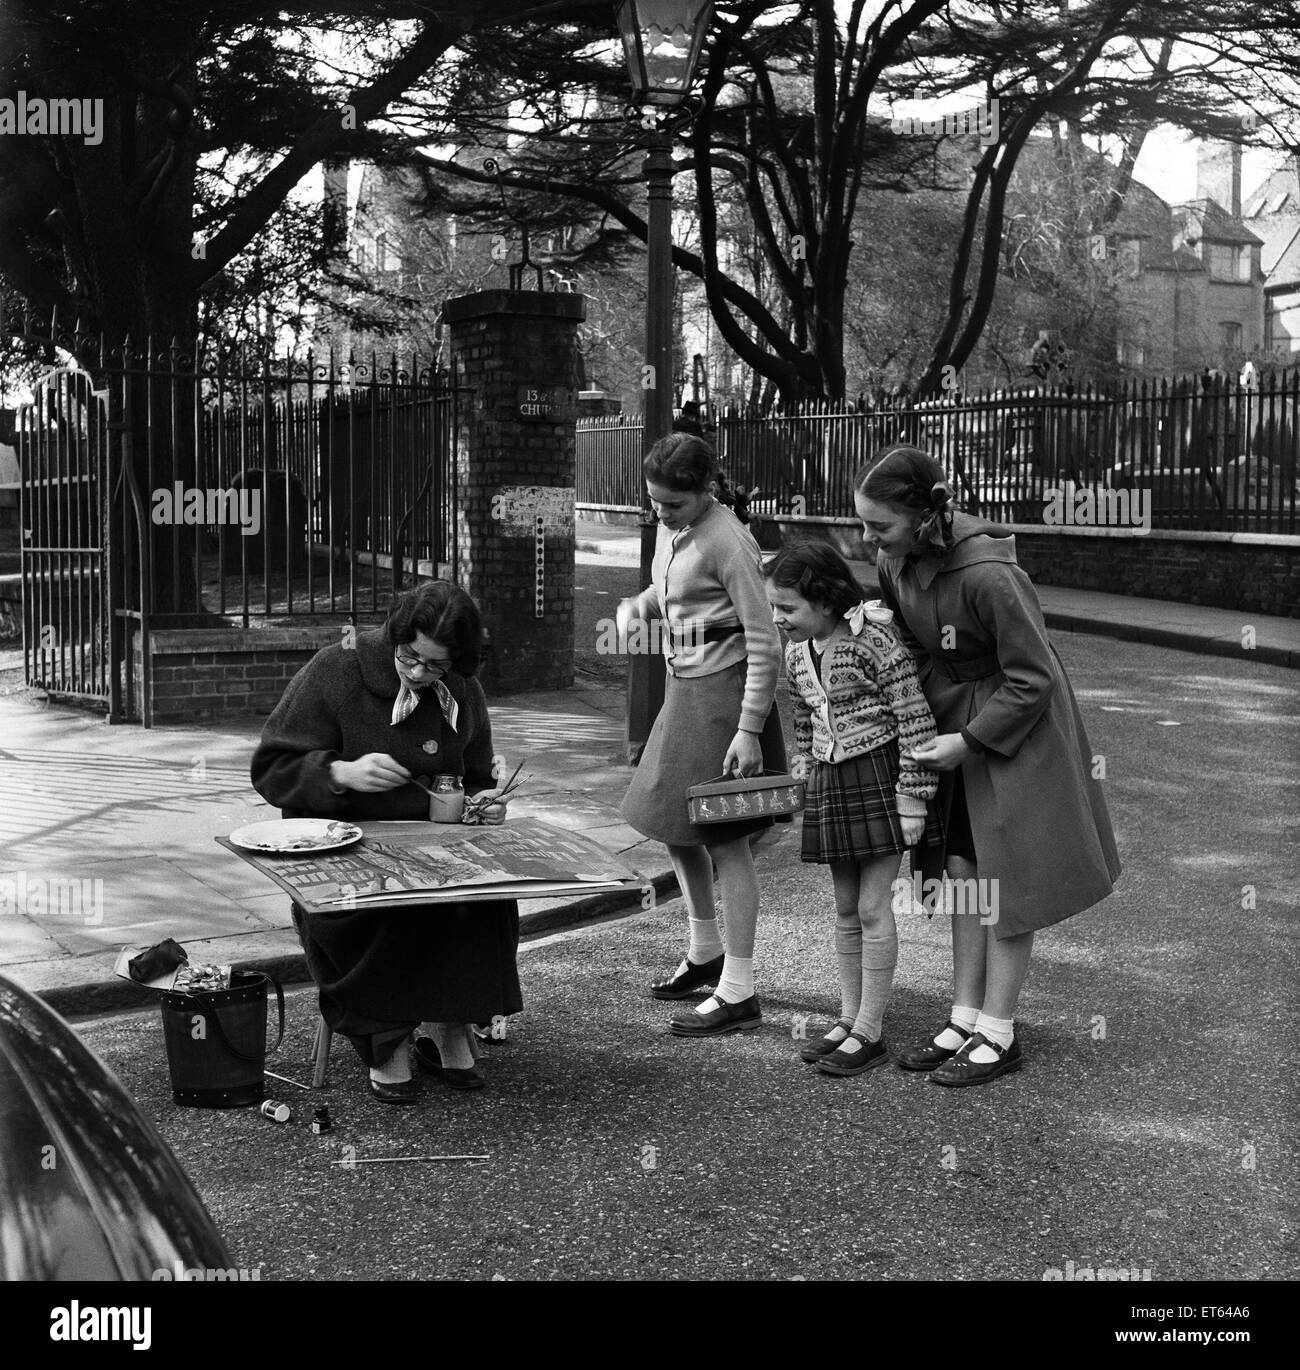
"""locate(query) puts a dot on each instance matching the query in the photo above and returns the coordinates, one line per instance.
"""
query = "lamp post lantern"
(662, 41)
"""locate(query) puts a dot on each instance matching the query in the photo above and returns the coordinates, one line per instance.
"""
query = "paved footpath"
(129, 814)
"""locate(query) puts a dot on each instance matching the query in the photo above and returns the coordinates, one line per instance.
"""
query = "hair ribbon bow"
(872, 610)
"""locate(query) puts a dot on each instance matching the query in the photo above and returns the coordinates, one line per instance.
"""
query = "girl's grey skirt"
(686, 747)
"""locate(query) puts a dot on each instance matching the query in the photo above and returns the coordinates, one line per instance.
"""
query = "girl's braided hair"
(909, 478)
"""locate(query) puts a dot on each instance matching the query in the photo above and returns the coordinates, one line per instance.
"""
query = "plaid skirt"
(849, 811)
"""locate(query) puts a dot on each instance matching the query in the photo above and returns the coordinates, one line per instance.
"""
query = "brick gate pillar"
(517, 352)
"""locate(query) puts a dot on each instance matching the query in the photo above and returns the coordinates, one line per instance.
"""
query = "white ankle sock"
(999, 1030)
(964, 1018)
(737, 979)
(396, 1070)
(705, 942)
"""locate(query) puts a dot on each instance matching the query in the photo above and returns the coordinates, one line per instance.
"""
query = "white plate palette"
(301, 835)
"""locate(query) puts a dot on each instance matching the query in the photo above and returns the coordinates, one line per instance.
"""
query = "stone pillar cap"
(544, 304)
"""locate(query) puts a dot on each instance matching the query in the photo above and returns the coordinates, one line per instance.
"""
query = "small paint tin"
(278, 1113)
(321, 1121)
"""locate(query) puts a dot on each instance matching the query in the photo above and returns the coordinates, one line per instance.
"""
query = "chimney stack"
(1218, 174)
(334, 210)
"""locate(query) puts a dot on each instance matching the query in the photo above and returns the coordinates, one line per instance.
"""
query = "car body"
(88, 1189)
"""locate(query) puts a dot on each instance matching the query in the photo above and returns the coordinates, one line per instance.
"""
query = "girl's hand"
(370, 773)
(801, 767)
(744, 755)
(623, 617)
(945, 753)
(913, 828)
(486, 807)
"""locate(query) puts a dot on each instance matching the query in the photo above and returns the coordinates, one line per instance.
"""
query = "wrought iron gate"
(72, 646)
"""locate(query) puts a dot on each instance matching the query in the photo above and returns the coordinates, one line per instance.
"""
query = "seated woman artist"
(357, 727)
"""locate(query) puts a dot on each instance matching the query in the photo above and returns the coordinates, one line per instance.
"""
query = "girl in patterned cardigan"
(858, 712)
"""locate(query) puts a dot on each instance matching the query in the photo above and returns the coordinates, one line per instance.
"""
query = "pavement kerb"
(116, 995)
(1199, 643)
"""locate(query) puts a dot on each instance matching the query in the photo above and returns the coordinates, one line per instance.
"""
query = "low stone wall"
(202, 675)
(1256, 572)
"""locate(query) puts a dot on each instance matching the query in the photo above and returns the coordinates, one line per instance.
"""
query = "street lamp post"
(662, 41)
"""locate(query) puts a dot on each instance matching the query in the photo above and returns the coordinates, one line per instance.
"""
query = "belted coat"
(1038, 816)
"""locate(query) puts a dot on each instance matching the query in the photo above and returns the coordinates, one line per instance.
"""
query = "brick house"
(1273, 212)
(1189, 285)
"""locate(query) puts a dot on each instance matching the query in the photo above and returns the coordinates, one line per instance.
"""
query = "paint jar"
(278, 1113)
(446, 799)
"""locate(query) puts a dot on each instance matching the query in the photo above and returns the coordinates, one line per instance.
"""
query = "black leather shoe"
(404, 1092)
(870, 1054)
(812, 1052)
(427, 1058)
(689, 981)
(742, 1017)
(929, 1056)
(961, 1070)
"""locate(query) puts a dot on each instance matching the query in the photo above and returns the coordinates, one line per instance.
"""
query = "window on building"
(1229, 262)
(1130, 353)
(1130, 257)
(1231, 336)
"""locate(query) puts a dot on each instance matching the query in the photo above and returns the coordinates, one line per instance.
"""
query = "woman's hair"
(818, 572)
(908, 478)
(681, 461)
(444, 612)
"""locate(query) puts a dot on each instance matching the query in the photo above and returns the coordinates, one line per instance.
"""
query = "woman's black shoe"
(689, 981)
(427, 1058)
(403, 1092)
(742, 1017)
(930, 1056)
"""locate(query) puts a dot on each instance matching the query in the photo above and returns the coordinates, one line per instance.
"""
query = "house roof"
(1282, 266)
(1273, 211)
(1279, 194)
(1214, 223)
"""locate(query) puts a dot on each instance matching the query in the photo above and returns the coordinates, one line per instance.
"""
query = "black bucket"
(216, 1041)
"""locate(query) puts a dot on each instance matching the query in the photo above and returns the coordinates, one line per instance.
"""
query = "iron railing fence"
(354, 468)
(163, 489)
(608, 458)
(1197, 453)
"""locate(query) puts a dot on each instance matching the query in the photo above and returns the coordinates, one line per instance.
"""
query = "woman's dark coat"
(383, 971)
(1038, 815)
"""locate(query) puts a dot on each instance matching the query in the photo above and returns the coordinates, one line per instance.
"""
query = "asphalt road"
(1152, 1127)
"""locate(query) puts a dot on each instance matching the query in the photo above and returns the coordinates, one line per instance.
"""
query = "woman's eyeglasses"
(413, 663)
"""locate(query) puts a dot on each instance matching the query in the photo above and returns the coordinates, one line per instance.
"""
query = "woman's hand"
(945, 753)
(744, 755)
(487, 807)
(623, 617)
(370, 773)
(913, 828)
